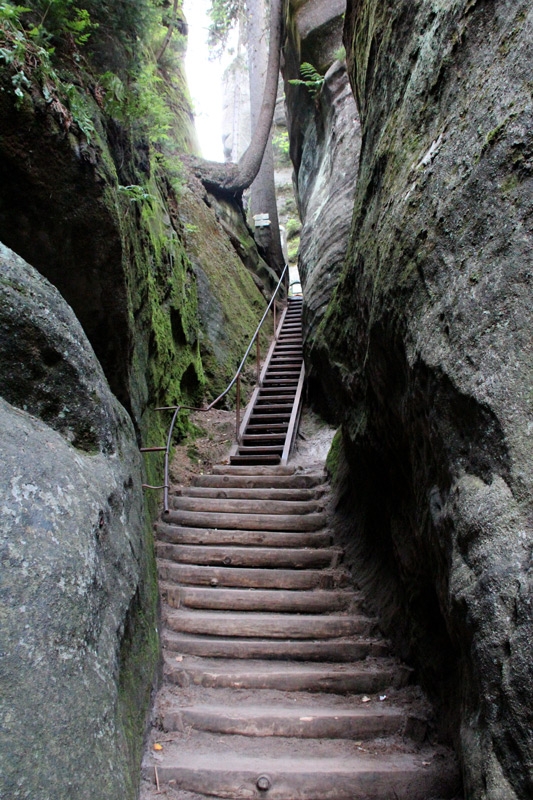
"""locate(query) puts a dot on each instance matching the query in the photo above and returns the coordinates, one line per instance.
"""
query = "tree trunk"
(263, 189)
(235, 178)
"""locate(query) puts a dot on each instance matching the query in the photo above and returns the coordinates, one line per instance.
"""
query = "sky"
(204, 79)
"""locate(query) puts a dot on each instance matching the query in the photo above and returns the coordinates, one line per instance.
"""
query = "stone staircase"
(277, 684)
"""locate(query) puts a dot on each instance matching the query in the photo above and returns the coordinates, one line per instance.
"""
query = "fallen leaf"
(179, 658)
(365, 699)
(383, 697)
(158, 746)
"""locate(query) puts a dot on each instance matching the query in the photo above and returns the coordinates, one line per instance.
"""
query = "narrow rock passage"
(277, 684)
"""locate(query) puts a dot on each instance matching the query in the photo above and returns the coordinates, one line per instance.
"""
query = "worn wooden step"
(245, 493)
(262, 557)
(367, 677)
(245, 506)
(257, 450)
(299, 480)
(260, 522)
(267, 626)
(273, 427)
(322, 722)
(259, 438)
(318, 601)
(270, 410)
(398, 776)
(243, 460)
(269, 386)
(252, 578)
(226, 469)
(266, 418)
(270, 404)
(177, 534)
(243, 577)
(345, 649)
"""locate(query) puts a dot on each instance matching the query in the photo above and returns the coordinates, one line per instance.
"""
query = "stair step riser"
(271, 626)
(259, 481)
(224, 469)
(354, 726)
(242, 460)
(265, 558)
(190, 574)
(256, 600)
(376, 782)
(236, 506)
(301, 495)
(272, 649)
(259, 522)
(175, 534)
(327, 681)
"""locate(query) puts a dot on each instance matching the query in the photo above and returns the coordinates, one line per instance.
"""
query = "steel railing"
(235, 380)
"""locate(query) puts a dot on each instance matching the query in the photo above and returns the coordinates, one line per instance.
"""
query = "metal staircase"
(271, 420)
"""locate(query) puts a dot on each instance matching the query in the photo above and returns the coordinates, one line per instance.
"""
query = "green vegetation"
(224, 15)
(311, 79)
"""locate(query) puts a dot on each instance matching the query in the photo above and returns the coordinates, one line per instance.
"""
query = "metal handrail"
(236, 379)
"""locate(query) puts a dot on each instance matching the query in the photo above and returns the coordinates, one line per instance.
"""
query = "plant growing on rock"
(311, 79)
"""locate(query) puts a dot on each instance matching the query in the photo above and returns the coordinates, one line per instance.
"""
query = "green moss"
(139, 657)
(509, 183)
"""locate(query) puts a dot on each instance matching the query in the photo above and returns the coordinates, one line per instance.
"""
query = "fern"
(311, 79)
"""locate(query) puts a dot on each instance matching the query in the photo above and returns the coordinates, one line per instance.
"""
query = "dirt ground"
(214, 436)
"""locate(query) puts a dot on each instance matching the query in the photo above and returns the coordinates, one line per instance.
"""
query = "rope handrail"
(229, 387)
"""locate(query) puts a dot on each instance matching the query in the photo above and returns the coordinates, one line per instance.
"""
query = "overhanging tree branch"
(235, 178)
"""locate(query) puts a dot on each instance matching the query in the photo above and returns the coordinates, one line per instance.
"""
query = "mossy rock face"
(426, 348)
(230, 294)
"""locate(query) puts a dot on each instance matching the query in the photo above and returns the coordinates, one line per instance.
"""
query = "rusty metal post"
(274, 307)
(238, 407)
(258, 359)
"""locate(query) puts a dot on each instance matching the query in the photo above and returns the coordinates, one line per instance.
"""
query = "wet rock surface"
(426, 348)
(73, 555)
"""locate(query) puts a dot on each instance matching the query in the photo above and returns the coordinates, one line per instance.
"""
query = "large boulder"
(75, 667)
(428, 338)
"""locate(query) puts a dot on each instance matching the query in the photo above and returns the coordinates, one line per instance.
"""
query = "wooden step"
(241, 577)
(224, 505)
(263, 557)
(272, 426)
(251, 493)
(226, 469)
(256, 625)
(243, 460)
(345, 649)
(299, 480)
(258, 450)
(259, 522)
(366, 677)
(252, 438)
(214, 536)
(319, 601)
(265, 418)
(398, 776)
(322, 722)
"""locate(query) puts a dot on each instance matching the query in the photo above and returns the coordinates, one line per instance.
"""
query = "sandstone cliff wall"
(325, 143)
(426, 347)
